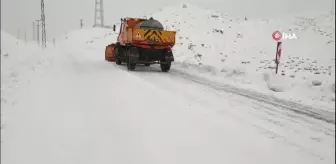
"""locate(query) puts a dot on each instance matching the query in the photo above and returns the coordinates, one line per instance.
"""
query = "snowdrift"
(20, 62)
(95, 39)
(91, 42)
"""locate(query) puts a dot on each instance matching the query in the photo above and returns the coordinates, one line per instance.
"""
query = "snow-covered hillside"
(241, 51)
(90, 39)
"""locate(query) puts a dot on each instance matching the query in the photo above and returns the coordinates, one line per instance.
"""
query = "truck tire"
(130, 66)
(131, 52)
(118, 61)
(117, 54)
(165, 67)
(147, 65)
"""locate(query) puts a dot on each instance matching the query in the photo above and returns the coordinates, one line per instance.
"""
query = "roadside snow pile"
(8, 43)
(91, 42)
(241, 51)
(94, 40)
(19, 62)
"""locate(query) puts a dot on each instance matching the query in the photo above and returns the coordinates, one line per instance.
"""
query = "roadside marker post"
(277, 56)
(277, 36)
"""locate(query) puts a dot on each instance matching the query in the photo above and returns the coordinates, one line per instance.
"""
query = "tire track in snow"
(301, 109)
(328, 117)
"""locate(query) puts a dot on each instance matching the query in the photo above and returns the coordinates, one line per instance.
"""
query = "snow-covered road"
(83, 110)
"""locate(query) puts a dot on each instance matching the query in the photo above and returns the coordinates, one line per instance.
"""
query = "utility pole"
(38, 31)
(333, 18)
(81, 23)
(44, 35)
(99, 14)
(33, 30)
(25, 37)
(18, 36)
(332, 7)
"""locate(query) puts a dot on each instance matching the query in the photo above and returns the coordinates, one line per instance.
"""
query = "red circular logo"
(277, 35)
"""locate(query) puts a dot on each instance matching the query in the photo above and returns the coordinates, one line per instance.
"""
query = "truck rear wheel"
(132, 54)
(165, 67)
(131, 66)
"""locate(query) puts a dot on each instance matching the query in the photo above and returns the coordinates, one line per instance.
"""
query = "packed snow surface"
(66, 104)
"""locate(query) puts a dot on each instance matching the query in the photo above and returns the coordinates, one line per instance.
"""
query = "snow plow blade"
(109, 53)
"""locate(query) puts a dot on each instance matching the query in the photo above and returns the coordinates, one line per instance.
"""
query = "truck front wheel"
(118, 61)
(165, 67)
(131, 66)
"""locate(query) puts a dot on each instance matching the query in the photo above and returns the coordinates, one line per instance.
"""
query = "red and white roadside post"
(277, 56)
(277, 37)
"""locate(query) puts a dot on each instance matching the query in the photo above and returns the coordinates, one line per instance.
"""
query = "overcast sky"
(64, 15)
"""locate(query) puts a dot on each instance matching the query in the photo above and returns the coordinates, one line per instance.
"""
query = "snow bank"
(20, 61)
(92, 41)
(90, 38)
(241, 51)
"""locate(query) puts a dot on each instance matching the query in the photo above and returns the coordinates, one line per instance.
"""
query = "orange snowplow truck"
(142, 41)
